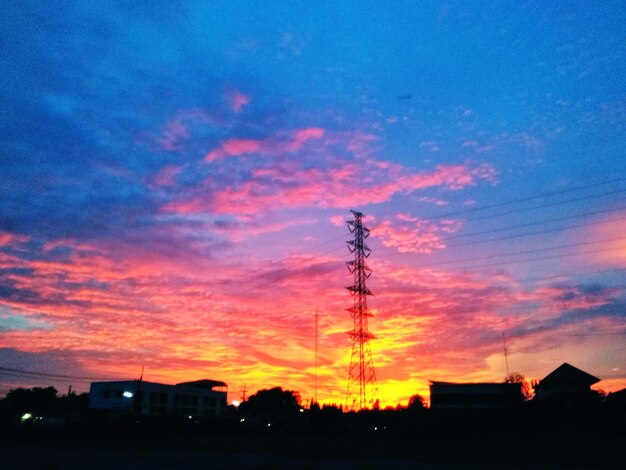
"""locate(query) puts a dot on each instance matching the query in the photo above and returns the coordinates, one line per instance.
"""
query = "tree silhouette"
(517, 378)
(31, 399)
(416, 403)
(273, 405)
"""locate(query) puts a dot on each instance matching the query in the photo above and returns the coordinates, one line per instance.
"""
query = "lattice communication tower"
(361, 389)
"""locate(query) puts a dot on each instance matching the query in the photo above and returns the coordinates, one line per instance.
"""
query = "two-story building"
(197, 399)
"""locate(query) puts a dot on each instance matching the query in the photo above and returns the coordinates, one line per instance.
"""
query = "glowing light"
(25, 417)
(236, 403)
(128, 394)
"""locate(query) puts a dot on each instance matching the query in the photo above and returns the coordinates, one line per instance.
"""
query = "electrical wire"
(524, 252)
(543, 206)
(49, 375)
(531, 224)
(530, 198)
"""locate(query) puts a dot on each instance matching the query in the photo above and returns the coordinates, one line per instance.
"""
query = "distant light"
(269, 424)
(236, 403)
(26, 417)
(301, 410)
(242, 420)
(375, 428)
(189, 416)
(128, 394)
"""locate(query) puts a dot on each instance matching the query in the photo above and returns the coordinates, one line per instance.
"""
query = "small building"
(197, 399)
(565, 382)
(474, 396)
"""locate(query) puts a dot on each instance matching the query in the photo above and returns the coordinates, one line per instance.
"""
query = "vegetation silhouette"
(272, 407)
(42, 406)
(517, 378)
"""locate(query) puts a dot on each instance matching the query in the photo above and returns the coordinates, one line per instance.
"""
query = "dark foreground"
(155, 447)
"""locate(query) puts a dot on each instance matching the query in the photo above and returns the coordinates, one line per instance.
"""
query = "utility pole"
(506, 355)
(316, 339)
(361, 375)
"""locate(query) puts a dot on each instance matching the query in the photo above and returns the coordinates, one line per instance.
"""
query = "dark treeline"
(275, 410)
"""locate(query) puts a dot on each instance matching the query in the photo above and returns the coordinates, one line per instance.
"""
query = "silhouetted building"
(201, 398)
(565, 382)
(474, 396)
(617, 399)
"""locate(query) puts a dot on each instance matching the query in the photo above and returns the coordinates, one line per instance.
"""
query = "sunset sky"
(175, 179)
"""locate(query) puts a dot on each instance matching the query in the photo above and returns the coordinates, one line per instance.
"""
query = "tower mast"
(361, 375)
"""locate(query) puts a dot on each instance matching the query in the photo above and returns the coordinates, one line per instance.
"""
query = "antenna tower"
(361, 375)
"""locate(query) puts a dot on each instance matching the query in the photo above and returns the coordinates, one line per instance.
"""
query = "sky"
(175, 179)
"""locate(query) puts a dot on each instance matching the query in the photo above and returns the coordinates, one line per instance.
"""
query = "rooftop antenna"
(506, 356)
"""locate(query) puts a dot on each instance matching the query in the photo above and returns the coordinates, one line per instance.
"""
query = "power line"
(274, 281)
(536, 250)
(542, 206)
(530, 224)
(540, 232)
(38, 378)
(50, 375)
(559, 276)
(507, 237)
(530, 260)
(530, 198)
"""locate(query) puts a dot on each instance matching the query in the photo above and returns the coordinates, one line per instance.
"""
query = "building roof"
(204, 383)
(568, 374)
(434, 382)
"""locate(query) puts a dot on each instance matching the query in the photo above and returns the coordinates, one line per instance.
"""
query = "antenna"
(316, 340)
(506, 356)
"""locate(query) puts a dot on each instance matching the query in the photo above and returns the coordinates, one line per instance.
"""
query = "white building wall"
(154, 399)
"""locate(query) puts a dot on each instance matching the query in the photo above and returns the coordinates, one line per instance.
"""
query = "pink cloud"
(338, 220)
(177, 129)
(344, 185)
(8, 238)
(233, 148)
(167, 176)
(454, 177)
(270, 145)
(302, 135)
(238, 101)
(410, 234)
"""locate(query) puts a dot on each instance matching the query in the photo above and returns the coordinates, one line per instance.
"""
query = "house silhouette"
(565, 383)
